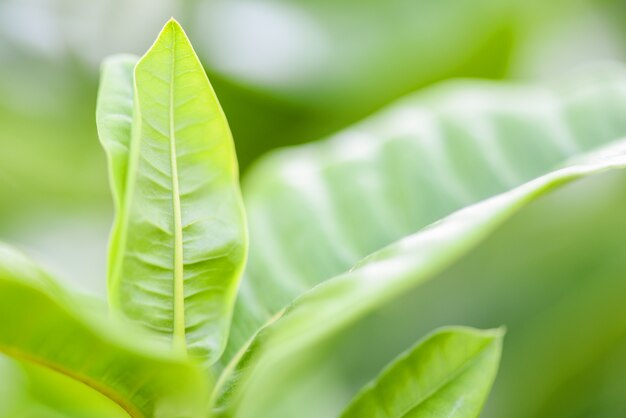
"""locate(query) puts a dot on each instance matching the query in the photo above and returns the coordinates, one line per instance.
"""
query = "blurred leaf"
(132, 370)
(280, 357)
(316, 210)
(447, 374)
(15, 264)
(35, 391)
(180, 241)
(114, 115)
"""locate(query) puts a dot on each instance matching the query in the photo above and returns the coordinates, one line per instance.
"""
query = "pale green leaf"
(263, 375)
(35, 391)
(317, 209)
(179, 242)
(50, 328)
(314, 210)
(447, 374)
(114, 116)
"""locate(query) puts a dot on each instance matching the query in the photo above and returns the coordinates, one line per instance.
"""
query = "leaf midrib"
(179, 338)
(451, 377)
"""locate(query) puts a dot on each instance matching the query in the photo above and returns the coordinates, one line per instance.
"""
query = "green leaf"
(315, 210)
(47, 327)
(447, 374)
(179, 242)
(285, 352)
(114, 117)
(35, 391)
(418, 161)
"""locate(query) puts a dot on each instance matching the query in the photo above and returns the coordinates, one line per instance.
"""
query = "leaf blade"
(130, 368)
(447, 374)
(180, 242)
(419, 160)
(315, 319)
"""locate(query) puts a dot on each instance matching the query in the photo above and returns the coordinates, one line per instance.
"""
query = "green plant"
(300, 344)
(177, 251)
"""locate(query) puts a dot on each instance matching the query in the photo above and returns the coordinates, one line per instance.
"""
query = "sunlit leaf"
(179, 242)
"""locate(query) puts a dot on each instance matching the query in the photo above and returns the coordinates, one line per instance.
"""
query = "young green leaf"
(47, 327)
(179, 243)
(447, 374)
(114, 116)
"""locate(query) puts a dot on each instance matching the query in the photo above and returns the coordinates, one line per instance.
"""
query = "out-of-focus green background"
(286, 72)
